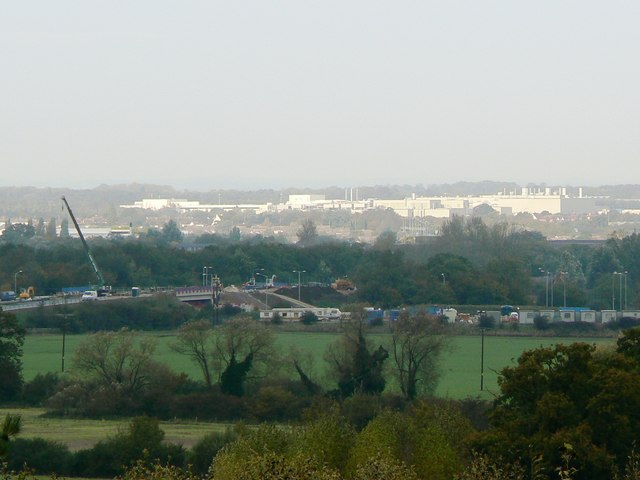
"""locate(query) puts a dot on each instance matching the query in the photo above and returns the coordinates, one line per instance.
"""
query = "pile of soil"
(319, 296)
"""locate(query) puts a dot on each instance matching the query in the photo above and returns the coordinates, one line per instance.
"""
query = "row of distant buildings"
(526, 200)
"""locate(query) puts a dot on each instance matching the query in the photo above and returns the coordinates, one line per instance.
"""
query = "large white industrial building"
(527, 200)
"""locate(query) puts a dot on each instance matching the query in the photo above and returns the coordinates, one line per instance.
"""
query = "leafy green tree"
(629, 343)
(18, 232)
(604, 262)
(171, 232)
(386, 240)
(381, 277)
(417, 442)
(566, 395)
(11, 342)
(64, 228)
(40, 228)
(328, 440)
(307, 233)
(234, 235)
(51, 230)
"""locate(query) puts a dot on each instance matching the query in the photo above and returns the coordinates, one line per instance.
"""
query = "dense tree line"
(470, 263)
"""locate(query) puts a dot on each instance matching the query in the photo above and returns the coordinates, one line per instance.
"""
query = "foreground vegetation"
(570, 407)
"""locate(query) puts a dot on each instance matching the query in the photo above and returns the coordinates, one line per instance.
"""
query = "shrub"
(309, 318)
(276, 319)
(212, 405)
(628, 322)
(40, 455)
(229, 310)
(541, 322)
(360, 409)
(486, 321)
(274, 403)
(203, 452)
(328, 440)
(36, 391)
(142, 440)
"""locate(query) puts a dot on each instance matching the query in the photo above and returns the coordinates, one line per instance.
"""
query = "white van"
(89, 296)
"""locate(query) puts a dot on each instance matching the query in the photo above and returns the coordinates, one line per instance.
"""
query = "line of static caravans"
(523, 316)
(571, 314)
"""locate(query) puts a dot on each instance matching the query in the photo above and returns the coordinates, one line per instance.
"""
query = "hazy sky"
(270, 94)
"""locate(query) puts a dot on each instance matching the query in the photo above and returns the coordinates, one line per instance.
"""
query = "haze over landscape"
(248, 95)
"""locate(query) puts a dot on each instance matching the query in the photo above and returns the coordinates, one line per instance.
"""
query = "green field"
(84, 433)
(460, 378)
(460, 365)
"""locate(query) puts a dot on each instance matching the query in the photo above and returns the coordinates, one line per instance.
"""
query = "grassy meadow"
(84, 433)
(460, 378)
(460, 365)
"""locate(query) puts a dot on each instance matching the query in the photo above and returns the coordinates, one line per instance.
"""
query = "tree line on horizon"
(471, 262)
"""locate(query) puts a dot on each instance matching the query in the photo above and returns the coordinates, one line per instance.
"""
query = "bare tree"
(194, 340)
(243, 348)
(354, 363)
(116, 359)
(417, 343)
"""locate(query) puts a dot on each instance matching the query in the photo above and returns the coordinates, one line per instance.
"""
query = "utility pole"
(613, 291)
(15, 281)
(482, 360)
(64, 325)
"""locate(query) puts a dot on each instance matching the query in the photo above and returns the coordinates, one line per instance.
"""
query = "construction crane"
(101, 287)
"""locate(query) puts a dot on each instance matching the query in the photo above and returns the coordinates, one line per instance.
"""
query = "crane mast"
(86, 245)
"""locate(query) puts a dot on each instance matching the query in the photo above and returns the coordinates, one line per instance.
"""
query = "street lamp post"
(299, 272)
(625, 290)
(204, 276)
(613, 289)
(266, 293)
(15, 280)
(257, 272)
(620, 274)
(546, 292)
(564, 288)
(444, 279)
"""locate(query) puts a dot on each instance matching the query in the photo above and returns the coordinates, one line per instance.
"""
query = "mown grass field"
(84, 433)
(460, 378)
(460, 364)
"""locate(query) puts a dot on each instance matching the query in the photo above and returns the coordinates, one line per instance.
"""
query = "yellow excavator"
(27, 293)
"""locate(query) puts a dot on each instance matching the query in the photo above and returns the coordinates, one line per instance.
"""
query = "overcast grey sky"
(269, 94)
